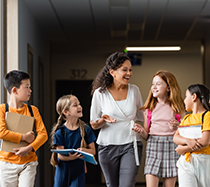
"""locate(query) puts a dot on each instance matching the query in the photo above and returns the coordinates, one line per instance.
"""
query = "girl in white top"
(115, 108)
(164, 102)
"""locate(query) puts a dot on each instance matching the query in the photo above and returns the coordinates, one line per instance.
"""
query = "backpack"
(149, 116)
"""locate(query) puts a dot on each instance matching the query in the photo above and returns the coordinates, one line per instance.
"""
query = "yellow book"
(17, 123)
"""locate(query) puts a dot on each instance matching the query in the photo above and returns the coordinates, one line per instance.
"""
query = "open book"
(87, 156)
(16, 123)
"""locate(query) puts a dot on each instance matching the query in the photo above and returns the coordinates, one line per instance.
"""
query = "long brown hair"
(175, 98)
(63, 104)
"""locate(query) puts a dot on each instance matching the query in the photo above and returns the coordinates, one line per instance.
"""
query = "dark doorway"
(82, 90)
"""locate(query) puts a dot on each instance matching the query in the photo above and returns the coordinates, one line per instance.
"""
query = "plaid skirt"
(161, 157)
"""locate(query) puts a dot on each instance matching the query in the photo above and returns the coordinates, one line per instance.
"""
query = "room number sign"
(78, 73)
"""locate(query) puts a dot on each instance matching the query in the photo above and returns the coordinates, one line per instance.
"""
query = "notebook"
(87, 156)
(16, 123)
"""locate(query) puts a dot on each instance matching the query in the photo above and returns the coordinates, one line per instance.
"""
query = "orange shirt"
(5, 134)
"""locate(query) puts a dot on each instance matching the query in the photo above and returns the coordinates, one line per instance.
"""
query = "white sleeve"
(95, 109)
(139, 104)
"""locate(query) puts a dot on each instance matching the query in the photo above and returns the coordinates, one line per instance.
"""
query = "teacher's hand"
(108, 119)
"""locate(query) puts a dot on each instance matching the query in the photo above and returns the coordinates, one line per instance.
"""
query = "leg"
(9, 174)
(79, 181)
(128, 168)
(27, 175)
(187, 179)
(186, 175)
(109, 162)
(201, 165)
(152, 180)
(169, 182)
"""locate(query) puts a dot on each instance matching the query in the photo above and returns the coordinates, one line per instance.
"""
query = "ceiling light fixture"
(170, 48)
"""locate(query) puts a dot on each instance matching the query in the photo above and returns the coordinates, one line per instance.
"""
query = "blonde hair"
(175, 98)
(63, 104)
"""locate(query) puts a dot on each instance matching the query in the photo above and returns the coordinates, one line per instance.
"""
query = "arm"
(205, 140)
(38, 141)
(42, 136)
(4, 133)
(146, 127)
(23, 151)
(138, 128)
(173, 124)
(200, 144)
(189, 145)
(95, 112)
(142, 130)
(70, 157)
(102, 121)
(90, 149)
(28, 137)
(97, 124)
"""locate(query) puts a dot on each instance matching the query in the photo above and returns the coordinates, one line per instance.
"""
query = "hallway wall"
(31, 33)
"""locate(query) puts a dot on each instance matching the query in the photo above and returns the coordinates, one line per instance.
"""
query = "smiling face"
(123, 74)
(75, 109)
(24, 92)
(159, 88)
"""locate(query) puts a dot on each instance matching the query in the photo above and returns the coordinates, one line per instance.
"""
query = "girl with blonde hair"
(73, 134)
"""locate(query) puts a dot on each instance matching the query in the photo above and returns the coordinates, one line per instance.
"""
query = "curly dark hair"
(104, 79)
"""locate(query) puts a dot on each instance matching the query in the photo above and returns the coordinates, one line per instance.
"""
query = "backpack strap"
(149, 115)
(6, 107)
(30, 110)
(178, 117)
(204, 115)
(62, 131)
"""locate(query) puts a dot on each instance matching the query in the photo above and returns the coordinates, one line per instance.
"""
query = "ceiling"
(130, 21)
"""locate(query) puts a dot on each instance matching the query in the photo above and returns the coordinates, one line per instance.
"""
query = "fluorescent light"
(172, 48)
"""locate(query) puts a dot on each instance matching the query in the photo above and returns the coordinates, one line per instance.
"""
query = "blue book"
(87, 156)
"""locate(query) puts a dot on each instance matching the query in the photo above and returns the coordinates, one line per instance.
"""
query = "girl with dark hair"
(73, 134)
(194, 163)
(162, 110)
(115, 108)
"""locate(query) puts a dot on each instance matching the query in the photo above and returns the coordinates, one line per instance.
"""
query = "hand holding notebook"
(21, 124)
(87, 156)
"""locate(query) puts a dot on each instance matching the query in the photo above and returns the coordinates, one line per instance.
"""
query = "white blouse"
(126, 113)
